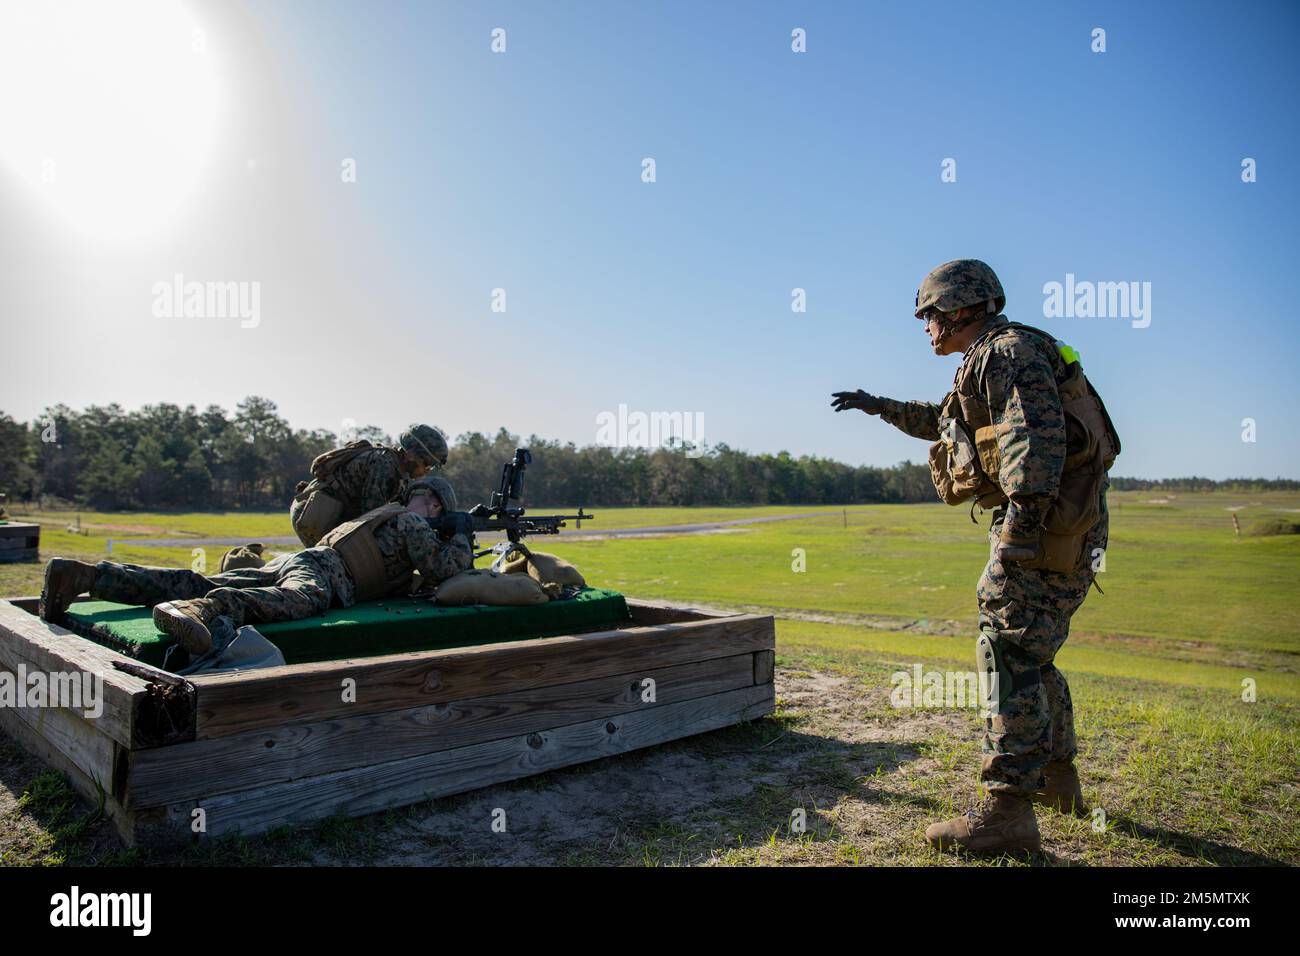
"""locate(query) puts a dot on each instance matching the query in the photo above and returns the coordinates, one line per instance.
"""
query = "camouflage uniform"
(1026, 611)
(369, 480)
(407, 543)
(365, 482)
(291, 587)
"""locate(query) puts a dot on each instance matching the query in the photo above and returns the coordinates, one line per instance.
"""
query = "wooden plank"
(165, 775)
(764, 666)
(381, 786)
(52, 737)
(663, 612)
(304, 693)
(75, 737)
(42, 646)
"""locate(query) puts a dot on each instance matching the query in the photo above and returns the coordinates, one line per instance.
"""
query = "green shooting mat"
(393, 626)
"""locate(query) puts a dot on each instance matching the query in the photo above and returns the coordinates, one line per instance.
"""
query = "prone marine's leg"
(122, 583)
(288, 589)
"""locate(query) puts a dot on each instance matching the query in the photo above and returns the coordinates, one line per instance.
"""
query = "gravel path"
(578, 534)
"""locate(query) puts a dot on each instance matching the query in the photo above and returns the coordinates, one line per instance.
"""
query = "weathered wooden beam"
(380, 786)
(664, 612)
(45, 647)
(165, 775)
(764, 667)
(305, 693)
(78, 739)
(93, 763)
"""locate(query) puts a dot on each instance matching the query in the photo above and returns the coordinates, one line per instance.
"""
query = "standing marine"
(1023, 433)
(371, 557)
(359, 477)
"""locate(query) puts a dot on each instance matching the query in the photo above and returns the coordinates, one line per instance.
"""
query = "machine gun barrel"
(499, 517)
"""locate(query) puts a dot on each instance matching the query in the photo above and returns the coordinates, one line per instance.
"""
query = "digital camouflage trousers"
(289, 588)
(1026, 613)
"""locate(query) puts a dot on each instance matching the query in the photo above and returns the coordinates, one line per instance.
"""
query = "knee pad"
(999, 668)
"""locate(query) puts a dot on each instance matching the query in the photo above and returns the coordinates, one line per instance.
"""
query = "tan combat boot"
(1003, 821)
(65, 579)
(187, 621)
(1062, 791)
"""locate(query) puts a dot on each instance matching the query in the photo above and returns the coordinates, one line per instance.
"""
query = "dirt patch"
(634, 534)
(877, 622)
(690, 796)
(38, 810)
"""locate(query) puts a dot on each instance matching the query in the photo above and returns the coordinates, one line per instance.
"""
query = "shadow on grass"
(1194, 847)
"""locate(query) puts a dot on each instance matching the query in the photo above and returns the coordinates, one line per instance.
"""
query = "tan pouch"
(1062, 553)
(941, 474)
(314, 514)
(953, 485)
(480, 586)
(986, 443)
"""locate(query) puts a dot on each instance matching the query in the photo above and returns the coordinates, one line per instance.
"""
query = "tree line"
(164, 457)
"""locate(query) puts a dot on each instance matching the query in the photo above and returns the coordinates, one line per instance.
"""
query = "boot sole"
(1034, 847)
(192, 635)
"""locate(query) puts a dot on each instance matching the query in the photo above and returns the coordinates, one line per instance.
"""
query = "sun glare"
(109, 110)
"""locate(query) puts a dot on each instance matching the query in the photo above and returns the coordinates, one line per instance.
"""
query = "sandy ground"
(723, 789)
(709, 789)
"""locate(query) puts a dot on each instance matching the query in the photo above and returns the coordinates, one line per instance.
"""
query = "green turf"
(373, 628)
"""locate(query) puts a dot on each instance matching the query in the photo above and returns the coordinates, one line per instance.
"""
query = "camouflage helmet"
(959, 283)
(425, 443)
(434, 485)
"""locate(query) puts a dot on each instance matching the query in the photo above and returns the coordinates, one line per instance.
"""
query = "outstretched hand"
(865, 401)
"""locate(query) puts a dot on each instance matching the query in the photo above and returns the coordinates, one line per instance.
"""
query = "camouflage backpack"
(323, 467)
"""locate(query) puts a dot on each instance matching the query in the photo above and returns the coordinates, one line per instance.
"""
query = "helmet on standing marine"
(957, 284)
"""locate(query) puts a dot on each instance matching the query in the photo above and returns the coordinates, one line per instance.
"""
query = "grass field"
(1184, 768)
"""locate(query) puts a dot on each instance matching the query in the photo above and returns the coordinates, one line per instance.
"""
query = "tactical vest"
(965, 461)
(355, 543)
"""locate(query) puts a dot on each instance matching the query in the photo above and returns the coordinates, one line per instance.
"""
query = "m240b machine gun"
(500, 517)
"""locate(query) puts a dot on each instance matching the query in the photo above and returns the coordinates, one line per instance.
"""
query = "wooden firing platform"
(19, 541)
(281, 746)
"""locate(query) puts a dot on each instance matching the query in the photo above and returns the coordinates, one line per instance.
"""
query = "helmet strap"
(948, 327)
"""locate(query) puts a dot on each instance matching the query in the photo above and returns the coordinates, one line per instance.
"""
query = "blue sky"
(775, 170)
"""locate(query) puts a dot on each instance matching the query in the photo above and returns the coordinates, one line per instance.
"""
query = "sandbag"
(244, 556)
(546, 569)
(480, 586)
